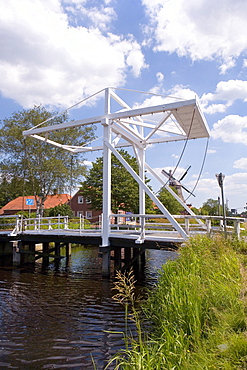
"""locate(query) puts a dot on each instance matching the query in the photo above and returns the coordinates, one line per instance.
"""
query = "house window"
(79, 213)
(80, 199)
(89, 214)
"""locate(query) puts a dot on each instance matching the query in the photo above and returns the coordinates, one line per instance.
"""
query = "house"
(31, 203)
(81, 205)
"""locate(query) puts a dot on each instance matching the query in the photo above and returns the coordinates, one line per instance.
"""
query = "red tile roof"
(19, 203)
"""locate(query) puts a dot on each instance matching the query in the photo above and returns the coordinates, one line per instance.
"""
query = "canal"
(64, 316)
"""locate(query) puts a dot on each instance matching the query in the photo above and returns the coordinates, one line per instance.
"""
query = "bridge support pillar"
(27, 252)
(117, 258)
(127, 255)
(16, 254)
(45, 254)
(143, 258)
(6, 253)
(57, 250)
(106, 261)
(68, 250)
(136, 257)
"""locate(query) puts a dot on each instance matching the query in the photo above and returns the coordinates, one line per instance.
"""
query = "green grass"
(196, 314)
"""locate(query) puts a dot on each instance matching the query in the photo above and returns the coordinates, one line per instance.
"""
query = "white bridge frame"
(139, 128)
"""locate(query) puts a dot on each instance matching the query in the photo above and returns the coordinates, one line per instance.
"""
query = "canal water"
(64, 317)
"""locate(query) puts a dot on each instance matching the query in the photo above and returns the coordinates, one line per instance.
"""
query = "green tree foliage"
(61, 209)
(42, 166)
(124, 191)
(171, 204)
(12, 189)
(210, 207)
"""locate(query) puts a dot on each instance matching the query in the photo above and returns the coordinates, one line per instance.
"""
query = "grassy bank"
(196, 314)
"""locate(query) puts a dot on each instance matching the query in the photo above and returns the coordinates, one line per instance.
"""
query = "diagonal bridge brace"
(162, 208)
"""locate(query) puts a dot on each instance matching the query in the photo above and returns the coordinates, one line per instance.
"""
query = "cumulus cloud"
(205, 29)
(211, 151)
(231, 129)
(159, 95)
(226, 92)
(160, 77)
(46, 60)
(241, 163)
(236, 184)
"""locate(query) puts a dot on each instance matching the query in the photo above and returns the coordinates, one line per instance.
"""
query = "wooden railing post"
(237, 228)
(187, 225)
(208, 225)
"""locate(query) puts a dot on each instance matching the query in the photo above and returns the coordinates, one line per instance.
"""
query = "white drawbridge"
(138, 128)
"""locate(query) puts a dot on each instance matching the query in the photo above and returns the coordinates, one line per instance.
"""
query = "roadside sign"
(29, 202)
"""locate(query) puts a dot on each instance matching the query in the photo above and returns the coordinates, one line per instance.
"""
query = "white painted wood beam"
(158, 126)
(162, 208)
(125, 114)
(163, 183)
(126, 134)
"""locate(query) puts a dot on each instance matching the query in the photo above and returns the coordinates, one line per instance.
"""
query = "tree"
(61, 209)
(41, 166)
(13, 188)
(171, 204)
(124, 189)
(210, 207)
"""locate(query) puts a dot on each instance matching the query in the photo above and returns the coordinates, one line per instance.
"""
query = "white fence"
(125, 223)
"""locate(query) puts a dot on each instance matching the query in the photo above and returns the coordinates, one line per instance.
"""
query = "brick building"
(29, 203)
(81, 205)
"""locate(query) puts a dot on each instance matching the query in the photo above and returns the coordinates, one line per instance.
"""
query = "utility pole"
(220, 177)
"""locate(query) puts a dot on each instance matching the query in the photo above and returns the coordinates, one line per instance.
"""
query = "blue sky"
(56, 53)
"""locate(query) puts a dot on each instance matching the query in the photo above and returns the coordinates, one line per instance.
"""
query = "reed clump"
(196, 313)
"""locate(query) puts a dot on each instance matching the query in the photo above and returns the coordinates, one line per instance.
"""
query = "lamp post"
(220, 177)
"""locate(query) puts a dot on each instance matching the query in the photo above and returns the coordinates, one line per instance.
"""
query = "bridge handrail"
(206, 226)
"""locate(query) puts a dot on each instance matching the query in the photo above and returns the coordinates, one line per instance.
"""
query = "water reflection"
(61, 317)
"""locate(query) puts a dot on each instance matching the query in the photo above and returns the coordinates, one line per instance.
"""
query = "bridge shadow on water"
(63, 315)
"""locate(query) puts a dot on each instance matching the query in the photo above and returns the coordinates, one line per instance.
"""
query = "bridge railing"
(19, 223)
(10, 223)
(191, 224)
(140, 224)
(43, 223)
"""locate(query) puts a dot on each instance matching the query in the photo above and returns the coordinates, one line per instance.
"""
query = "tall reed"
(196, 317)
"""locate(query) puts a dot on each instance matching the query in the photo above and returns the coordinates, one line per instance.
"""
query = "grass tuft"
(197, 312)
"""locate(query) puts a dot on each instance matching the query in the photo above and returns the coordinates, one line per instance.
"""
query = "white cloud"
(211, 151)
(231, 129)
(241, 163)
(204, 29)
(87, 163)
(236, 184)
(226, 91)
(45, 60)
(244, 63)
(162, 96)
(228, 64)
(160, 77)
(98, 17)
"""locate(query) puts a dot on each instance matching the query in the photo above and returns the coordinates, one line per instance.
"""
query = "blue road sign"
(29, 202)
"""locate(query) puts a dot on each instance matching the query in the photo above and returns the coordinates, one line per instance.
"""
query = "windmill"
(177, 183)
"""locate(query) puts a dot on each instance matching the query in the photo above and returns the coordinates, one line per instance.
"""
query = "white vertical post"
(187, 225)
(106, 188)
(106, 175)
(142, 192)
(208, 225)
(237, 228)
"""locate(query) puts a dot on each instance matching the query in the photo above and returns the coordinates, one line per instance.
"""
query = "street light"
(220, 177)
